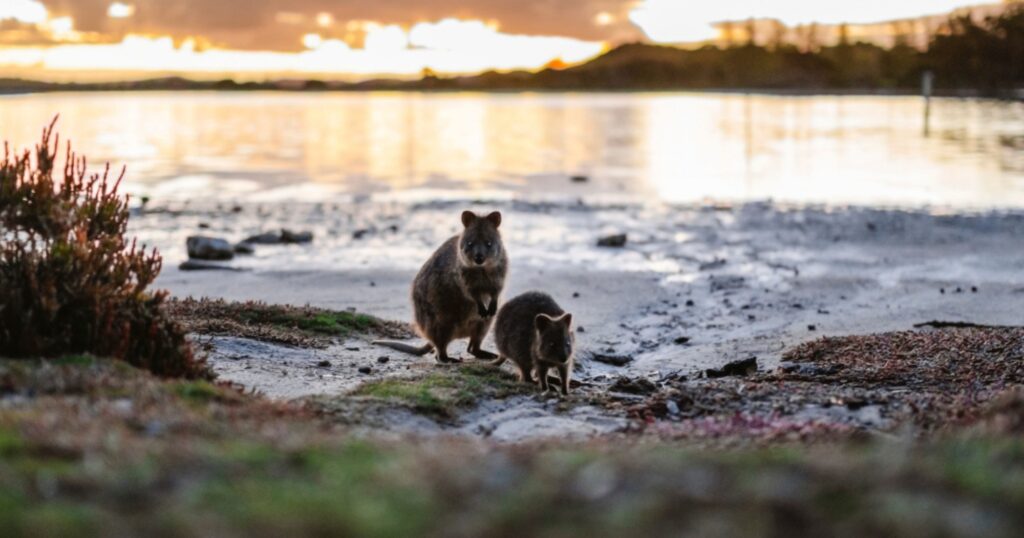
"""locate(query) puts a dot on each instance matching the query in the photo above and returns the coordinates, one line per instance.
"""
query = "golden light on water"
(674, 148)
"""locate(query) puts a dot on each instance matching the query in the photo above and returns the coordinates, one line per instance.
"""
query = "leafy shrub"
(69, 282)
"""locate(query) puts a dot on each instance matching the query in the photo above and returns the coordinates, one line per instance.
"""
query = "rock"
(974, 289)
(198, 265)
(383, 360)
(672, 407)
(201, 247)
(284, 237)
(682, 340)
(244, 248)
(808, 369)
(636, 385)
(575, 295)
(290, 237)
(738, 368)
(614, 241)
(715, 264)
(204, 226)
(365, 369)
(812, 328)
(324, 364)
(359, 234)
(689, 302)
(266, 238)
(580, 329)
(579, 178)
(614, 360)
(727, 283)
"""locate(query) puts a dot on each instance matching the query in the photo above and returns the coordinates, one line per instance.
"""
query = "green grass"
(75, 360)
(323, 322)
(10, 443)
(354, 490)
(441, 393)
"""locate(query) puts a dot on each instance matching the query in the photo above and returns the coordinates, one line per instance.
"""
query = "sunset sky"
(255, 39)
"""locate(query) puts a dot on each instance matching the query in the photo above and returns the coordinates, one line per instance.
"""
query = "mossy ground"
(443, 392)
(300, 326)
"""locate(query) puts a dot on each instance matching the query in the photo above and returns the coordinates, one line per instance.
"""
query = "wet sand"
(751, 280)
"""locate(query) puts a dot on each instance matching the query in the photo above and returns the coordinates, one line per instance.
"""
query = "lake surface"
(668, 147)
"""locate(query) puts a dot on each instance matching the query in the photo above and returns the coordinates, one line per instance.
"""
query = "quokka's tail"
(406, 348)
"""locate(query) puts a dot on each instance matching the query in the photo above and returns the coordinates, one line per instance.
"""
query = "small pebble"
(959, 290)
(324, 364)
(682, 340)
(689, 302)
(974, 289)
(575, 295)
(942, 291)
(812, 327)
(365, 369)
(673, 407)
(580, 329)
(383, 360)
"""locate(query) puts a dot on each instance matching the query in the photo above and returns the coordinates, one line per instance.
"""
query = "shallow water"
(647, 147)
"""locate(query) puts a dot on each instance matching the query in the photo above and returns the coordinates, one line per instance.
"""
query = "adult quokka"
(455, 294)
(536, 334)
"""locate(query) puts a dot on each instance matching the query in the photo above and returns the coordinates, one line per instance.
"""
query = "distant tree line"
(985, 57)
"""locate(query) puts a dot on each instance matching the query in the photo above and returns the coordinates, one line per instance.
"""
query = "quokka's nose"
(479, 259)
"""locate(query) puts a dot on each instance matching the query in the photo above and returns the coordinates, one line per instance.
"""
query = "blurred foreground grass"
(92, 447)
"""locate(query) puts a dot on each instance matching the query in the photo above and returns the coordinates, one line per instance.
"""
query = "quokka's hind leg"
(499, 361)
(525, 374)
(476, 341)
(441, 346)
(442, 355)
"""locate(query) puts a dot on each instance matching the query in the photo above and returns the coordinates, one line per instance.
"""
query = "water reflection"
(674, 147)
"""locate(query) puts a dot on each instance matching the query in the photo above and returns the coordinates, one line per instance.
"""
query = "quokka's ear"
(495, 218)
(566, 320)
(542, 322)
(468, 217)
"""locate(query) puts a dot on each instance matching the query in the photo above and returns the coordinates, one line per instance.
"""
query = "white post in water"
(927, 81)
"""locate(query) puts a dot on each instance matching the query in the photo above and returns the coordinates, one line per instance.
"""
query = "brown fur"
(455, 295)
(536, 334)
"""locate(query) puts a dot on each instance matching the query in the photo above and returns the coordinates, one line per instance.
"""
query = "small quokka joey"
(536, 334)
(455, 294)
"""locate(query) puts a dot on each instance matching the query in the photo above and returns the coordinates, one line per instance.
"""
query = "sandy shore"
(736, 282)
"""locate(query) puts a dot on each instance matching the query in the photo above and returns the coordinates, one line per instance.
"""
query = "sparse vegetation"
(162, 461)
(442, 393)
(300, 326)
(69, 280)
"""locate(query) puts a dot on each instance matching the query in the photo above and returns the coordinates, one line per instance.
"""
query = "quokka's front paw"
(493, 309)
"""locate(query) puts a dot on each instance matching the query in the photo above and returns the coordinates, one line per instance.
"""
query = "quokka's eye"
(489, 244)
(469, 244)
